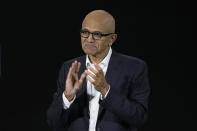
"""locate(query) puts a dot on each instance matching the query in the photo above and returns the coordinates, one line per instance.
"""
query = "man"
(103, 90)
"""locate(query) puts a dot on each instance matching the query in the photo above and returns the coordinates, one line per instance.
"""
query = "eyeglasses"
(95, 35)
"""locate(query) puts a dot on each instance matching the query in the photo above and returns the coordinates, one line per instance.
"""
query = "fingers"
(80, 81)
(83, 75)
(74, 65)
(92, 70)
(90, 79)
(93, 76)
(78, 67)
(98, 68)
(69, 76)
(73, 70)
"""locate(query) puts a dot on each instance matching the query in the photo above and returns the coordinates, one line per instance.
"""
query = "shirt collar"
(104, 62)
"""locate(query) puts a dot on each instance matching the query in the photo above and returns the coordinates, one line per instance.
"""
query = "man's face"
(91, 46)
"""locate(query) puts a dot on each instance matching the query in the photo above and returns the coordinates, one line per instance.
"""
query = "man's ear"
(113, 39)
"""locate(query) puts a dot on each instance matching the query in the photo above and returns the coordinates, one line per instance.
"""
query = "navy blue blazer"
(124, 109)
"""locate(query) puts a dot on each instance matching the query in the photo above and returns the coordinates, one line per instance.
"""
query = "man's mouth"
(90, 45)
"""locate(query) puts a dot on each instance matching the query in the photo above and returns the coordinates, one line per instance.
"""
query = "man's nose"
(90, 38)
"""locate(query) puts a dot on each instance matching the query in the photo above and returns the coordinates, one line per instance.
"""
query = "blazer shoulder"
(130, 60)
(131, 64)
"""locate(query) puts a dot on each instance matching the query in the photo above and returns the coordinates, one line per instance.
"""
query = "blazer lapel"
(82, 93)
(81, 70)
(110, 76)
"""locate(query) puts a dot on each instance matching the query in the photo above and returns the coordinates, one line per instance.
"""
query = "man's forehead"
(94, 26)
(99, 21)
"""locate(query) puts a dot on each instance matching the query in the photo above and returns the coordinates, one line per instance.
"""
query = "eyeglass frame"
(93, 33)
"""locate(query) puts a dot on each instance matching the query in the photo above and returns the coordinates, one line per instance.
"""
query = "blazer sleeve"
(57, 117)
(132, 109)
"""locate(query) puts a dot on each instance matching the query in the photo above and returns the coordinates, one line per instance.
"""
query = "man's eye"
(85, 32)
(97, 34)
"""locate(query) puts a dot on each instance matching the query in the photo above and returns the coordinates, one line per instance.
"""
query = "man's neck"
(98, 58)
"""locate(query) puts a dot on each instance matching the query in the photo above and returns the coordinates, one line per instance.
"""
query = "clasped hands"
(73, 83)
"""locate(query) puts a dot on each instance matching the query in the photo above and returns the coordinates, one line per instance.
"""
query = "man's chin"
(90, 52)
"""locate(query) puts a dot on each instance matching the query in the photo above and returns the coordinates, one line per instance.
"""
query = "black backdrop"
(37, 39)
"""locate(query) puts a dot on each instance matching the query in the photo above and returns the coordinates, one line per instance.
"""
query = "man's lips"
(90, 45)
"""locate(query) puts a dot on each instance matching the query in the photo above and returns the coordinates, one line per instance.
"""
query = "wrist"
(105, 89)
(69, 97)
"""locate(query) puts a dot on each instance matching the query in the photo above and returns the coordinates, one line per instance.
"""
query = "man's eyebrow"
(85, 29)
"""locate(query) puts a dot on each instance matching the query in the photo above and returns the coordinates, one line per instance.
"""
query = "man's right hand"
(73, 83)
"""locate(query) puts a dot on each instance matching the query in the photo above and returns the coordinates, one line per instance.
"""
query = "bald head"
(99, 20)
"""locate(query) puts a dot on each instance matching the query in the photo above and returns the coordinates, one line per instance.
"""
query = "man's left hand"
(98, 79)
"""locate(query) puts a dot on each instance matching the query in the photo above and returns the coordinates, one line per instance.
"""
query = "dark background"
(37, 38)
